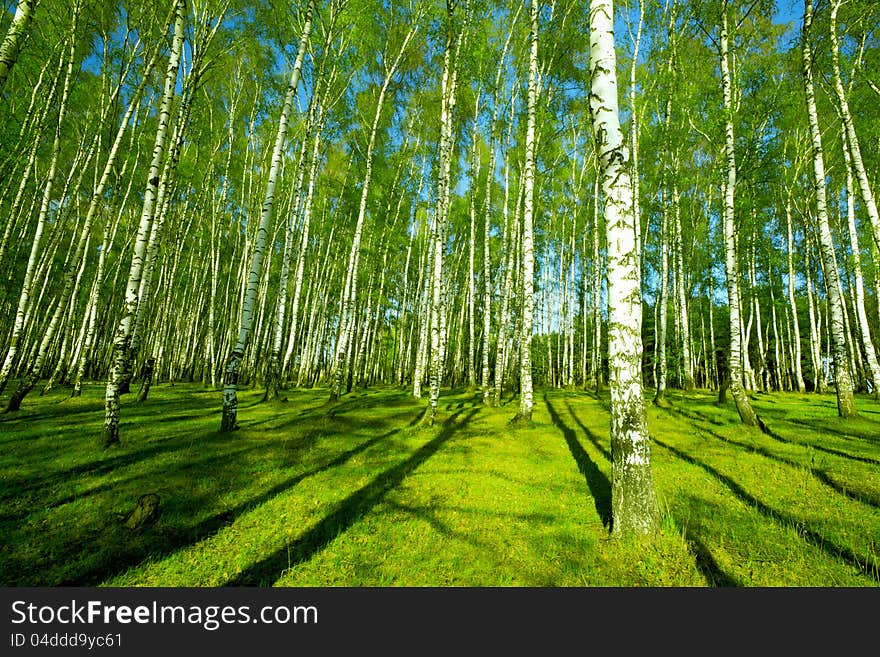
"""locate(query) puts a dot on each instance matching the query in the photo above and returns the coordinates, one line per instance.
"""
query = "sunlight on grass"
(357, 493)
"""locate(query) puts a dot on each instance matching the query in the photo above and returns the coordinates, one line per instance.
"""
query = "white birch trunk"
(230, 379)
(15, 35)
(122, 336)
(842, 374)
(633, 500)
(858, 288)
(349, 298)
(735, 353)
(438, 319)
(852, 139)
(528, 251)
(798, 372)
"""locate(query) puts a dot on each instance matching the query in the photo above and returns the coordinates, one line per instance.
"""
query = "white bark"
(852, 139)
(230, 379)
(634, 503)
(528, 251)
(859, 283)
(349, 297)
(123, 331)
(798, 370)
(15, 35)
(437, 303)
(842, 374)
(735, 353)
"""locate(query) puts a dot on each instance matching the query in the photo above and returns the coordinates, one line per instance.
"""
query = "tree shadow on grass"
(428, 514)
(820, 474)
(114, 549)
(864, 565)
(597, 482)
(54, 546)
(589, 434)
(694, 534)
(106, 464)
(347, 513)
(706, 563)
(852, 433)
(179, 537)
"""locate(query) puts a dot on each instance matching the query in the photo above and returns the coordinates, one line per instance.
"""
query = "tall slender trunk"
(596, 367)
(687, 358)
(714, 361)
(634, 136)
(122, 338)
(858, 288)
(852, 139)
(507, 240)
(842, 375)
(24, 298)
(437, 302)
(633, 499)
(230, 379)
(734, 354)
(472, 247)
(798, 372)
(528, 250)
(349, 294)
(662, 303)
(815, 317)
(487, 217)
(15, 36)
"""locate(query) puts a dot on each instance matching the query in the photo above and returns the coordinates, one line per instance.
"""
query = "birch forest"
(216, 213)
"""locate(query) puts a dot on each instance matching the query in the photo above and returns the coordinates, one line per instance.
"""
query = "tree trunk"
(842, 375)
(230, 379)
(528, 252)
(633, 499)
(349, 295)
(15, 36)
(798, 372)
(437, 303)
(122, 338)
(852, 139)
(734, 354)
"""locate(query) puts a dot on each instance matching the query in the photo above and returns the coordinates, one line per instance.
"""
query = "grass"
(359, 493)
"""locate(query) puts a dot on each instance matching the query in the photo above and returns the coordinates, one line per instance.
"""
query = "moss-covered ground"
(359, 493)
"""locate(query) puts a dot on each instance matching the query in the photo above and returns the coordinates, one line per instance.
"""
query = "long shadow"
(347, 513)
(821, 475)
(821, 448)
(766, 430)
(706, 563)
(589, 434)
(596, 480)
(429, 516)
(210, 462)
(17, 486)
(177, 538)
(863, 565)
(851, 433)
(23, 417)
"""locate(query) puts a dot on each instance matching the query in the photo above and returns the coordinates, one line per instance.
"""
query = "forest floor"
(358, 493)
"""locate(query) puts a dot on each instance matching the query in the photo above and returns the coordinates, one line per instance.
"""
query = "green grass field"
(359, 494)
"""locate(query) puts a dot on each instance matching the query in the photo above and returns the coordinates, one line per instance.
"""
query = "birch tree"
(122, 337)
(229, 421)
(451, 50)
(633, 499)
(843, 382)
(526, 401)
(731, 262)
(15, 36)
(348, 301)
